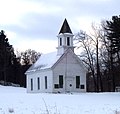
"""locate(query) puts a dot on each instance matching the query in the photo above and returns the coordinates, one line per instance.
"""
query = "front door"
(69, 84)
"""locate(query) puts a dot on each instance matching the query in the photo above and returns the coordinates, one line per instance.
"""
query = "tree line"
(101, 55)
(13, 65)
(99, 50)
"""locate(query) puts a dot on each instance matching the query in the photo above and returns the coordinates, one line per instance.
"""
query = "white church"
(58, 72)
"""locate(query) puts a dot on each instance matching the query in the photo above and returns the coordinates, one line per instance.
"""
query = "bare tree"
(91, 45)
(87, 54)
(29, 56)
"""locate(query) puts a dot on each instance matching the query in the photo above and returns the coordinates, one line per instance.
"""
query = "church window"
(60, 81)
(31, 84)
(60, 41)
(77, 81)
(45, 82)
(68, 41)
(38, 81)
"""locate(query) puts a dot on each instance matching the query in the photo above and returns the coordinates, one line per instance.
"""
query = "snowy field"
(17, 101)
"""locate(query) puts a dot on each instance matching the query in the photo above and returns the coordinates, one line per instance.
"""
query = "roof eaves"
(37, 70)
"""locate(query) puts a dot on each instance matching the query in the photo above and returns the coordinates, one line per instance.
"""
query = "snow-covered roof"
(45, 61)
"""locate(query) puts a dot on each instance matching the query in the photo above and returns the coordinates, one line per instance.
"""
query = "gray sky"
(34, 24)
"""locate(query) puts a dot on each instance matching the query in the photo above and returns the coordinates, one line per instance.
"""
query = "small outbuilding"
(61, 71)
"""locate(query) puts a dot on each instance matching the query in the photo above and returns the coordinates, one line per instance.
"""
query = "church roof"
(44, 62)
(47, 61)
(65, 27)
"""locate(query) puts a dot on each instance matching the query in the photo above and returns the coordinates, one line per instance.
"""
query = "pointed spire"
(65, 27)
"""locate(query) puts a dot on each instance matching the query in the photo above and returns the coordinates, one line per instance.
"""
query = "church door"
(69, 84)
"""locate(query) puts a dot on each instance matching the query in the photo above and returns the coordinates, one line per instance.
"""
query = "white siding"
(62, 48)
(69, 67)
(41, 75)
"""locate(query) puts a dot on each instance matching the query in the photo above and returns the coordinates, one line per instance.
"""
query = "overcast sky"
(34, 24)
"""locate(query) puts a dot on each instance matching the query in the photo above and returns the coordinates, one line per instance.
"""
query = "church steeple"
(65, 27)
(65, 38)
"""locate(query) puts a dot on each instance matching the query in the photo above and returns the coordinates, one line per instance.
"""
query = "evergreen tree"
(113, 34)
(112, 29)
(6, 56)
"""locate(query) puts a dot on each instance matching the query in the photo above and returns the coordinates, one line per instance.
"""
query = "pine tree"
(6, 56)
(113, 36)
(113, 33)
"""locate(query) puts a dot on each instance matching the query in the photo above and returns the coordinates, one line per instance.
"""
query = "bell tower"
(65, 38)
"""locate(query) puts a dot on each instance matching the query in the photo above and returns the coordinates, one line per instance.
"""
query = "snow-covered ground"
(15, 100)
